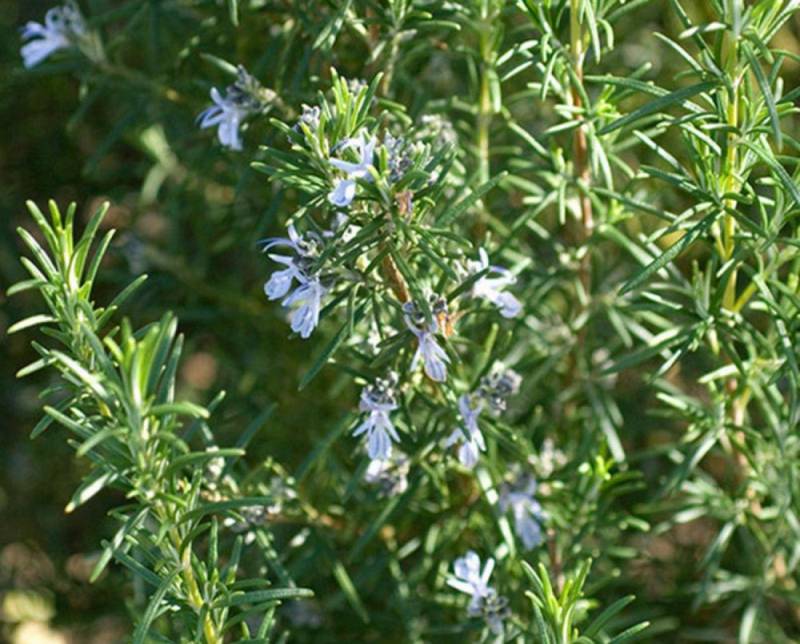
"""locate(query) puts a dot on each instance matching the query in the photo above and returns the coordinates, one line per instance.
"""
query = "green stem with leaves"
(484, 120)
(730, 184)
(583, 170)
(118, 398)
(729, 179)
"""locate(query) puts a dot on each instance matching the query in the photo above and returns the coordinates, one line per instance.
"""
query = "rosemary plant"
(511, 288)
(117, 396)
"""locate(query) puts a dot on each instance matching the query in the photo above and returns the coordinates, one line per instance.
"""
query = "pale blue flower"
(492, 289)
(305, 302)
(63, 27)
(378, 400)
(227, 116)
(281, 281)
(469, 434)
(244, 97)
(344, 191)
(494, 609)
(468, 577)
(365, 149)
(433, 357)
(484, 602)
(518, 496)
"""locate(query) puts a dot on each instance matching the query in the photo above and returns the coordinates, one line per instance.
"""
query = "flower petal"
(343, 193)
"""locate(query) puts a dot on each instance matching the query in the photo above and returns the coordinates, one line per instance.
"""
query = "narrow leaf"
(671, 253)
(673, 98)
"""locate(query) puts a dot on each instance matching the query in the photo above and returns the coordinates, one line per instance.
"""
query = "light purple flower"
(281, 281)
(469, 578)
(344, 191)
(63, 27)
(244, 97)
(378, 400)
(227, 116)
(469, 434)
(518, 497)
(492, 289)
(305, 302)
(365, 148)
(484, 600)
(434, 358)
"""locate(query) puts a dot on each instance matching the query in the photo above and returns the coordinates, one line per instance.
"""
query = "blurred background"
(196, 239)
(197, 243)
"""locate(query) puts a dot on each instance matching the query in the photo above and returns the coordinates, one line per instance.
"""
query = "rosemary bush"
(504, 295)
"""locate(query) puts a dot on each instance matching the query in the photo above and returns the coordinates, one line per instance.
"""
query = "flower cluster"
(242, 98)
(400, 156)
(549, 458)
(305, 301)
(498, 387)
(389, 475)
(387, 165)
(400, 153)
(308, 117)
(64, 28)
(484, 602)
(493, 390)
(378, 400)
(439, 129)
